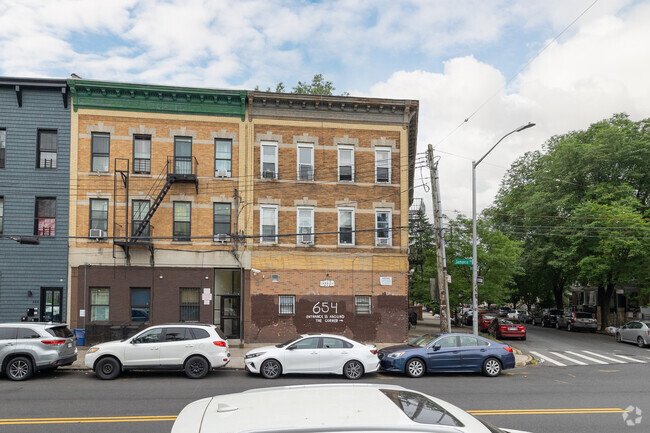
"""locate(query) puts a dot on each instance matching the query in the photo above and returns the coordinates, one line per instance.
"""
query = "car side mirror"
(436, 347)
(291, 347)
(133, 341)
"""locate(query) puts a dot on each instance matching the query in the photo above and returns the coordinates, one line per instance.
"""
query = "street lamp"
(474, 258)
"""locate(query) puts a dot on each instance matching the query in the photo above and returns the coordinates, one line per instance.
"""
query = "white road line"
(552, 361)
(597, 361)
(605, 357)
(630, 359)
(569, 359)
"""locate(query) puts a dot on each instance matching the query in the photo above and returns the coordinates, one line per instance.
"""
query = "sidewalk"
(427, 325)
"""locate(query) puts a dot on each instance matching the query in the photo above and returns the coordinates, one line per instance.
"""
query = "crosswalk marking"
(569, 359)
(630, 359)
(597, 361)
(618, 361)
(552, 361)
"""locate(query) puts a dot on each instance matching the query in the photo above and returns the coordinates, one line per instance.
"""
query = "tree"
(318, 86)
(421, 255)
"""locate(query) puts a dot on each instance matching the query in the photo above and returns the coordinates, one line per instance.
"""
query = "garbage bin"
(81, 336)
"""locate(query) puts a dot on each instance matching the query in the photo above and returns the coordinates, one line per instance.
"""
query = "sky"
(480, 68)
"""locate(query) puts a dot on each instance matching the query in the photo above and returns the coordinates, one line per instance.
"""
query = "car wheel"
(196, 367)
(618, 338)
(353, 370)
(640, 342)
(415, 368)
(107, 368)
(271, 369)
(19, 368)
(491, 367)
(523, 338)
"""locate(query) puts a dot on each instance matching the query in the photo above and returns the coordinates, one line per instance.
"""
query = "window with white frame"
(142, 154)
(346, 163)
(287, 304)
(346, 226)
(222, 157)
(382, 227)
(305, 225)
(100, 152)
(362, 304)
(221, 222)
(269, 224)
(139, 214)
(47, 149)
(269, 159)
(305, 161)
(182, 221)
(2, 210)
(382, 165)
(3, 145)
(99, 304)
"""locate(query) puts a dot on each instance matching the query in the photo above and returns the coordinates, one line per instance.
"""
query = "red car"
(485, 319)
(507, 327)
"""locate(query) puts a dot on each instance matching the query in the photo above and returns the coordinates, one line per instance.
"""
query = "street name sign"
(463, 262)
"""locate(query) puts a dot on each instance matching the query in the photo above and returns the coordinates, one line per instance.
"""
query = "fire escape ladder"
(153, 208)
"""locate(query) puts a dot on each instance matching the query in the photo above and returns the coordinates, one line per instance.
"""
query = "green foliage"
(318, 86)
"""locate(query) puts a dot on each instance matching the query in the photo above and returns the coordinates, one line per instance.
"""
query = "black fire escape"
(178, 169)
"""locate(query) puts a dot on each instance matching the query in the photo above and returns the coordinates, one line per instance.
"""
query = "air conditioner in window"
(222, 172)
(306, 239)
(268, 174)
(97, 234)
(222, 238)
(383, 241)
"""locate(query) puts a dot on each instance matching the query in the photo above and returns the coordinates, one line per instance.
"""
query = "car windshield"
(421, 409)
(423, 340)
(489, 316)
(286, 343)
(509, 322)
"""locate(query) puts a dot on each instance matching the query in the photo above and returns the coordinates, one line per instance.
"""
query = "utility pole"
(445, 320)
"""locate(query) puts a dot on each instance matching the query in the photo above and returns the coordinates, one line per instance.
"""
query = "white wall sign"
(386, 281)
(326, 312)
(327, 283)
(82, 313)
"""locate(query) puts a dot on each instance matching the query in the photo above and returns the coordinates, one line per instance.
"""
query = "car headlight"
(254, 355)
(93, 350)
(395, 354)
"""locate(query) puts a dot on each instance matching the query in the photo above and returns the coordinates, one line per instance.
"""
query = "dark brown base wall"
(386, 323)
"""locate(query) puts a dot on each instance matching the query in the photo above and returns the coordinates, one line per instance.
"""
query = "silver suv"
(195, 348)
(29, 347)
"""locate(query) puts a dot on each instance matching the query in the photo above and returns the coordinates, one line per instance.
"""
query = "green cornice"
(157, 99)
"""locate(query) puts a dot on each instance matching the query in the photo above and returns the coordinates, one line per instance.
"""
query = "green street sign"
(463, 262)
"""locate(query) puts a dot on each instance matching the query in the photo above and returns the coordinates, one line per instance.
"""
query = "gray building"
(34, 198)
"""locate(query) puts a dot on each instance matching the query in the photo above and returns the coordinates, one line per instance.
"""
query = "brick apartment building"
(266, 214)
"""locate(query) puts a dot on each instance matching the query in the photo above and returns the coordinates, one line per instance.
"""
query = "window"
(141, 154)
(3, 145)
(346, 164)
(139, 211)
(151, 336)
(100, 143)
(446, 342)
(45, 216)
(46, 149)
(2, 212)
(346, 226)
(269, 160)
(382, 165)
(99, 304)
(305, 161)
(190, 298)
(221, 227)
(27, 333)
(362, 304)
(222, 158)
(306, 225)
(307, 343)
(140, 307)
(183, 155)
(99, 215)
(269, 223)
(382, 228)
(287, 304)
(335, 343)
(182, 221)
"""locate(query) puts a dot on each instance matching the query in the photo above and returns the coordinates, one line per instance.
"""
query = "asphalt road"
(587, 398)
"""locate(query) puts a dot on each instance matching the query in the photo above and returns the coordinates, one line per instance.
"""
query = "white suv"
(195, 348)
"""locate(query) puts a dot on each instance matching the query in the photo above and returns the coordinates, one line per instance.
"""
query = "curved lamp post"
(474, 258)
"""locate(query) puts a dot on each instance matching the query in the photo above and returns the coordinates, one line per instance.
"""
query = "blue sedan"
(447, 353)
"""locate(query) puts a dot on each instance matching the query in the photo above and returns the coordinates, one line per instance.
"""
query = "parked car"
(466, 319)
(485, 319)
(634, 332)
(503, 311)
(574, 321)
(328, 407)
(550, 317)
(514, 314)
(28, 347)
(526, 316)
(506, 327)
(313, 354)
(538, 316)
(195, 348)
(447, 353)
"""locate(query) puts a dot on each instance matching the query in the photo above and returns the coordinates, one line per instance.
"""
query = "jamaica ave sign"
(463, 262)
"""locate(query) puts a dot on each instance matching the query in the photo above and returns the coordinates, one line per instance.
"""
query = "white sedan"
(312, 354)
(328, 408)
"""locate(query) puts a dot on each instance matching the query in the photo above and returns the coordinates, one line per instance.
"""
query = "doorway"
(227, 301)
(51, 304)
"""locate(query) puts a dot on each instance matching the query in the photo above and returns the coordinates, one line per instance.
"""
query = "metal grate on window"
(190, 302)
(362, 304)
(287, 304)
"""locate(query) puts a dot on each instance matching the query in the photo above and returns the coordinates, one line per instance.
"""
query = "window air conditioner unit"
(223, 173)
(97, 234)
(222, 238)
(383, 241)
(268, 174)
(306, 239)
